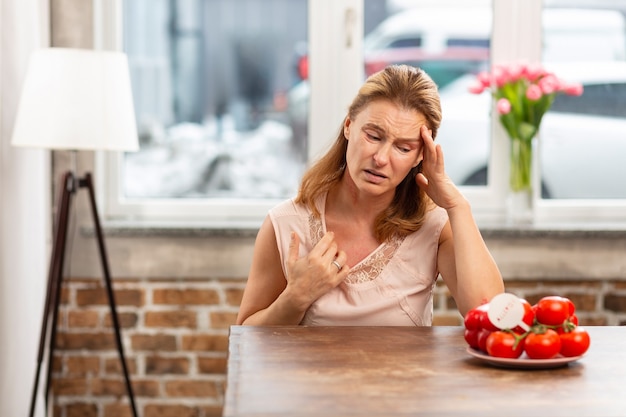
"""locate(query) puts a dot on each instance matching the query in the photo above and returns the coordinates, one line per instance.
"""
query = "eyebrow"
(384, 132)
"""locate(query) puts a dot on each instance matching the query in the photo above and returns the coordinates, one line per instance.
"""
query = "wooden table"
(408, 371)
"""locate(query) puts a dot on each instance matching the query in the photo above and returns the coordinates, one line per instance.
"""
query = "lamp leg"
(87, 182)
(53, 292)
(55, 274)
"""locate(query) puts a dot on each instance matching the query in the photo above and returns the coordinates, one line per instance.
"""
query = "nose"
(381, 156)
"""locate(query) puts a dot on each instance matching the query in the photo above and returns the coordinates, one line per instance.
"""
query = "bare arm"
(464, 261)
(265, 284)
(465, 264)
(270, 298)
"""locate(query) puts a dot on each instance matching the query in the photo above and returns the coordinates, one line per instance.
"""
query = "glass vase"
(520, 198)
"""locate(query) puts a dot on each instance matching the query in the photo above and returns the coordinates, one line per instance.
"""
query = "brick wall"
(175, 335)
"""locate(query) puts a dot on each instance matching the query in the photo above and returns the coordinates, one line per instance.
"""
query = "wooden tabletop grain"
(408, 371)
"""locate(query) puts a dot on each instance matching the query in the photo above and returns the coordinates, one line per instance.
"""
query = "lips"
(375, 176)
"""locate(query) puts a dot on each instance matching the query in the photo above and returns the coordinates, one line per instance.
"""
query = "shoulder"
(286, 209)
(289, 216)
(435, 219)
(290, 208)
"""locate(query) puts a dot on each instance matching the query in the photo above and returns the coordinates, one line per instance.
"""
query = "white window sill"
(243, 230)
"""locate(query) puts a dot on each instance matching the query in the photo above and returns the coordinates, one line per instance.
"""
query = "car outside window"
(608, 100)
(468, 43)
(406, 43)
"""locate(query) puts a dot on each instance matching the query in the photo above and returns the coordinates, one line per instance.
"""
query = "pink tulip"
(484, 78)
(533, 72)
(500, 75)
(515, 71)
(503, 106)
(549, 84)
(533, 92)
(572, 89)
(476, 87)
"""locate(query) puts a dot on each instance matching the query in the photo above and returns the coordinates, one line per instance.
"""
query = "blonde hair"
(410, 88)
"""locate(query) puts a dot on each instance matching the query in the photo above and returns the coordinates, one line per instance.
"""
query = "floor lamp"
(75, 99)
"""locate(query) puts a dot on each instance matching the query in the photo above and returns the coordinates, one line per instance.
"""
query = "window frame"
(328, 17)
(334, 86)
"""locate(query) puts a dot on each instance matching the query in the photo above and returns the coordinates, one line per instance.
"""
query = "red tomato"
(504, 345)
(472, 319)
(485, 323)
(568, 325)
(553, 310)
(574, 343)
(471, 337)
(572, 307)
(542, 345)
(529, 316)
(483, 334)
(534, 308)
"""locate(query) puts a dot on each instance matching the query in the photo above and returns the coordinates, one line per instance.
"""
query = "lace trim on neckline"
(371, 266)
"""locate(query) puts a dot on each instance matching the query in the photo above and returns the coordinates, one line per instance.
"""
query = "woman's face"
(384, 144)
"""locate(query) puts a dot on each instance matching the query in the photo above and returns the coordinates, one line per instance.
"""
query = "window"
(228, 122)
(217, 98)
(583, 139)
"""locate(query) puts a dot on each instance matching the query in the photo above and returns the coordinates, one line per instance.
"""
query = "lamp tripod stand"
(71, 184)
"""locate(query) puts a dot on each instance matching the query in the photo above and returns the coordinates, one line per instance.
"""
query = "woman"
(376, 220)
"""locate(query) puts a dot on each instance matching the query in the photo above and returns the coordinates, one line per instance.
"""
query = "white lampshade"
(76, 99)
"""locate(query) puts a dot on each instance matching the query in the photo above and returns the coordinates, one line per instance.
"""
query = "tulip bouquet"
(523, 94)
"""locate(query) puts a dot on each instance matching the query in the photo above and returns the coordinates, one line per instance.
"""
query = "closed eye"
(406, 146)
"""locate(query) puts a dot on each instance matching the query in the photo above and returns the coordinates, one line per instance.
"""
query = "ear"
(346, 127)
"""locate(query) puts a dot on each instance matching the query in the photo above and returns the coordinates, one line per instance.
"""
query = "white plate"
(523, 362)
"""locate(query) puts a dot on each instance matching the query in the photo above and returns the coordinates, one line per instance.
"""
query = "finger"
(330, 255)
(430, 153)
(422, 181)
(324, 248)
(427, 136)
(340, 277)
(294, 248)
(341, 259)
(439, 151)
(439, 158)
(342, 273)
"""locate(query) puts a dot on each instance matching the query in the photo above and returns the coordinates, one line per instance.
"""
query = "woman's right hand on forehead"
(433, 178)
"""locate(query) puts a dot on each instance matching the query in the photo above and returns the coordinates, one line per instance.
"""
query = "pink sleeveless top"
(392, 286)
